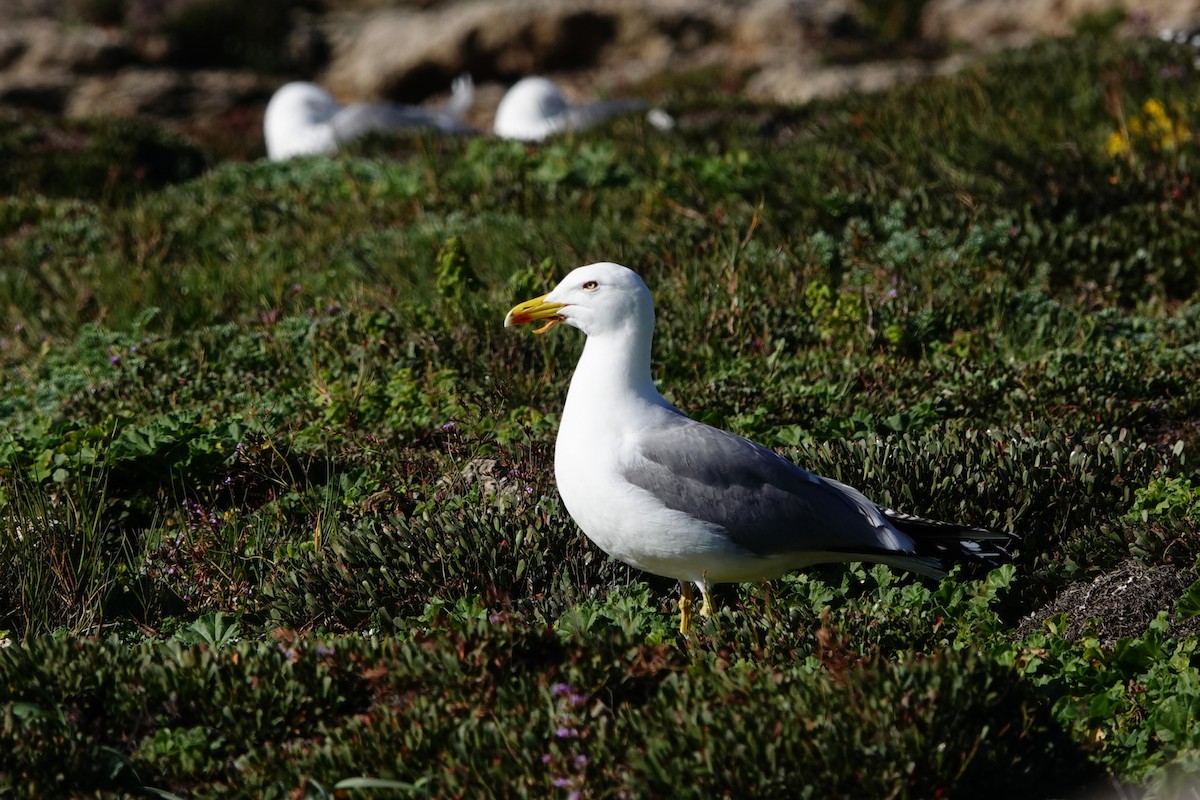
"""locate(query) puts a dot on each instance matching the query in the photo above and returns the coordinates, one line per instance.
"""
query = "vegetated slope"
(276, 485)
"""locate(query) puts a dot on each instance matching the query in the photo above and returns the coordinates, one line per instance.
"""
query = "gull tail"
(941, 545)
(462, 96)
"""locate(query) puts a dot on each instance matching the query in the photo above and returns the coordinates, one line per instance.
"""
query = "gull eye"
(591, 286)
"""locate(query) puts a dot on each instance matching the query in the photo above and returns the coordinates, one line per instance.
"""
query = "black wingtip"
(955, 544)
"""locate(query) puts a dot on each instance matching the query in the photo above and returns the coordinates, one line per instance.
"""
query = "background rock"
(207, 67)
(993, 22)
(405, 54)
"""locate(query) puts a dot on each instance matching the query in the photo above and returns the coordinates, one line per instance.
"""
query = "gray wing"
(363, 118)
(588, 114)
(766, 503)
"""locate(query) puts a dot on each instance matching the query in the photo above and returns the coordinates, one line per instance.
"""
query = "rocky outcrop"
(397, 51)
(166, 93)
(194, 62)
(1007, 22)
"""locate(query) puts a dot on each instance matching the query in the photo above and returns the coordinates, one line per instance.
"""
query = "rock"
(307, 46)
(405, 55)
(219, 91)
(46, 93)
(20, 10)
(168, 93)
(410, 50)
(89, 51)
(47, 46)
(486, 473)
(993, 23)
(12, 47)
(794, 83)
(132, 92)
(786, 29)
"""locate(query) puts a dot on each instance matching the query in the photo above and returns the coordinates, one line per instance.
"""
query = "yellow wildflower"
(1155, 110)
(1117, 144)
(1157, 128)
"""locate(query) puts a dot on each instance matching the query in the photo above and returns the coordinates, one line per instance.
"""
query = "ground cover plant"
(276, 508)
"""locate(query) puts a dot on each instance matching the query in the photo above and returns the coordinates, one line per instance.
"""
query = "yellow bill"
(533, 311)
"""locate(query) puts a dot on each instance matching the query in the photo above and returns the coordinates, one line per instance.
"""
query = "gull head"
(288, 125)
(598, 299)
(532, 109)
(300, 103)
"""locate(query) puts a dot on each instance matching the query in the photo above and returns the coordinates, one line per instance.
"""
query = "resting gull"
(674, 497)
(302, 119)
(534, 109)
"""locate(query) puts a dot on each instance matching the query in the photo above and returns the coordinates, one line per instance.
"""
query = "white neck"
(613, 370)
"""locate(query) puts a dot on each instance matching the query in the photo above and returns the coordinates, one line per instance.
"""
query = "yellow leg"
(685, 607)
(707, 608)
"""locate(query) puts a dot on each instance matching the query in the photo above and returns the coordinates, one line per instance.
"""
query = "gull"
(302, 119)
(674, 497)
(534, 109)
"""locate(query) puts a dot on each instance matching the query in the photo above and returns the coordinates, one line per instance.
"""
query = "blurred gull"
(303, 119)
(534, 108)
(675, 497)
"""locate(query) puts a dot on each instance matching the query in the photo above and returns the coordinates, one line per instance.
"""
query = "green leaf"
(380, 783)
(28, 711)
(154, 791)
(1188, 605)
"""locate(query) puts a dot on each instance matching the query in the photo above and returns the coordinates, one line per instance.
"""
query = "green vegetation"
(277, 515)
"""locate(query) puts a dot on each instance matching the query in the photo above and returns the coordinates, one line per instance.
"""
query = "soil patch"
(1117, 604)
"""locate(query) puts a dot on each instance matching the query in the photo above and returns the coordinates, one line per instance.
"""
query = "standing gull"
(302, 119)
(674, 497)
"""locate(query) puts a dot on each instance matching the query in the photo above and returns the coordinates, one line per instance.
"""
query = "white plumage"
(302, 119)
(674, 497)
(535, 108)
